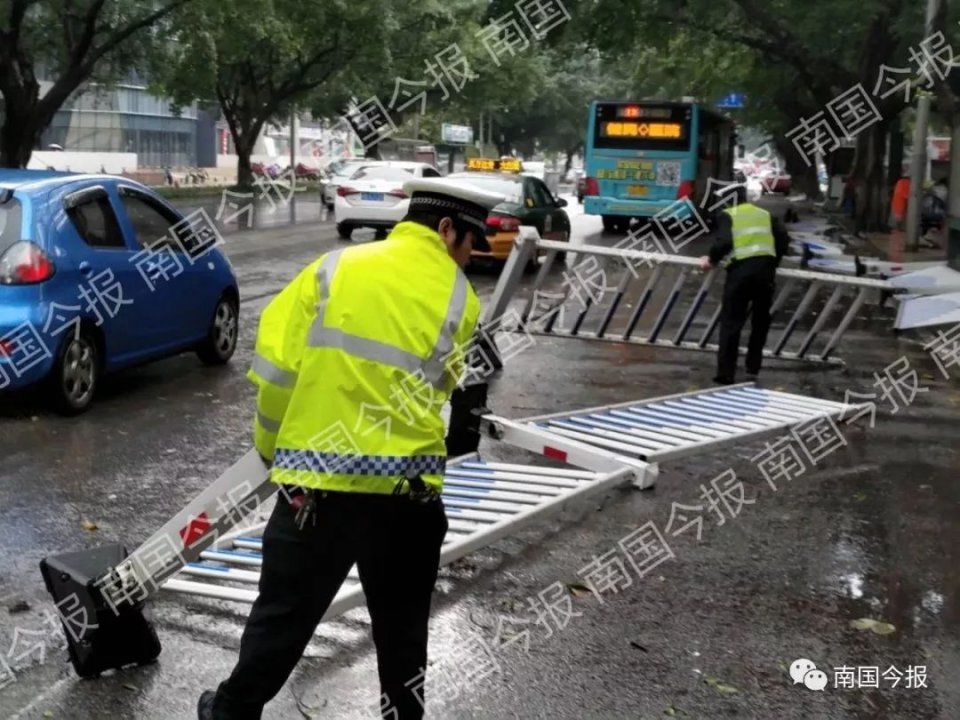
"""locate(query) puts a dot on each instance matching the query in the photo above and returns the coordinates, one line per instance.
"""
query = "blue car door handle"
(85, 268)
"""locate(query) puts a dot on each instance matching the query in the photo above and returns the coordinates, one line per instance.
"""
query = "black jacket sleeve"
(781, 238)
(722, 239)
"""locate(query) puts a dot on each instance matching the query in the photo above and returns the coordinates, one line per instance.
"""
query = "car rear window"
(382, 173)
(9, 224)
(512, 190)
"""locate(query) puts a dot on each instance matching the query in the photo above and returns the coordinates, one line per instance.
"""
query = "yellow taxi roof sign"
(492, 164)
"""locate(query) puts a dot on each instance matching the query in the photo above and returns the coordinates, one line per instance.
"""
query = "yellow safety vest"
(752, 232)
(354, 360)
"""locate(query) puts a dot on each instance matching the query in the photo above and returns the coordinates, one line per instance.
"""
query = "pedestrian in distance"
(753, 242)
(354, 360)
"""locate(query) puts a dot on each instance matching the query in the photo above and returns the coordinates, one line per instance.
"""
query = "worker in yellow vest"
(754, 242)
(354, 360)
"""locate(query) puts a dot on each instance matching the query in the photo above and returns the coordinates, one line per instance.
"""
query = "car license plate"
(376, 197)
(637, 190)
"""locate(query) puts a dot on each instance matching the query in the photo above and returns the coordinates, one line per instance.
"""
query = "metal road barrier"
(603, 447)
(819, 304)
(206, 551)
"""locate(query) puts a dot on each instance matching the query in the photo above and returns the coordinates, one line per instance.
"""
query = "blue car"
(99, 273)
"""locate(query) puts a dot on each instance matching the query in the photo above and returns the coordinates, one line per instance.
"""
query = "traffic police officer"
(353, 362)
(755, 242)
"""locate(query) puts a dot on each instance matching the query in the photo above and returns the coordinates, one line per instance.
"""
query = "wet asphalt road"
(871, 532)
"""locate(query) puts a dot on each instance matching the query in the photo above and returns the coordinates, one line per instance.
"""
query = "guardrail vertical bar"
(621, 291)
(845, 323)
(783, 295)
(795, 318)
(821, 320)
(711, 326)
(695, 306)
(668, 305)
(643, 300)
(524, 247)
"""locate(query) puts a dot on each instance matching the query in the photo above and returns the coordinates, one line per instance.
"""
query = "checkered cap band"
(377, 465)
(441, 204)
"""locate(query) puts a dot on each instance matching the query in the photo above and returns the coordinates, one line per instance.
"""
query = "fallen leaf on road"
(638, 646)
(671, 711)
(130, 686)
(579, 590)
(89, 525)
(874, 626)
(720, 687)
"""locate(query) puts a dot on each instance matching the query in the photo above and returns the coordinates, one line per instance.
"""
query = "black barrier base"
(98, 638)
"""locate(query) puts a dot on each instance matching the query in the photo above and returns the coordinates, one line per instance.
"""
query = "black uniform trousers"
(395, 542)
(748, 292)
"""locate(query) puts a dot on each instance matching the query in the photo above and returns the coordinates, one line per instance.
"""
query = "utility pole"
(294, 147)
(481, 133)
(918, 161)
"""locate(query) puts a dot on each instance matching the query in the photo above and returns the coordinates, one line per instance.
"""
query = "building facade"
(125, 118)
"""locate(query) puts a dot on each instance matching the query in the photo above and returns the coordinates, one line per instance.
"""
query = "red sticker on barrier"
(195, 529)
(554, 453)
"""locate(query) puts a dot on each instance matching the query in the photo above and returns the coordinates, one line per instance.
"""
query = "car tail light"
(591, 187)
(23, 264)
(343, 191)
(503, 223)
(398, 193)
(685, 190)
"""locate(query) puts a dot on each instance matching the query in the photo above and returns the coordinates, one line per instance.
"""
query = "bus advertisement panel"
(641, 157)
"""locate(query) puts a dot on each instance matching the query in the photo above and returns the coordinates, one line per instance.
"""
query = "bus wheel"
(611, 223)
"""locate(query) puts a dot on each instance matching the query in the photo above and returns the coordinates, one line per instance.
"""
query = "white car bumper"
(370, 213)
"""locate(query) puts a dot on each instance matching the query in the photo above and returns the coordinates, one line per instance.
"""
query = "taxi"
(528, 202)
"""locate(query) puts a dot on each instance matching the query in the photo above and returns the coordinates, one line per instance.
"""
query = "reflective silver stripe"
(434, 369)
(756, 249)
(751, 230)
(268, 423)
(272, 373)
(324, 280)
(366, 349)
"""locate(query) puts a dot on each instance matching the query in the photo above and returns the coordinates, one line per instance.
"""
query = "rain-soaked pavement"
(869, 532)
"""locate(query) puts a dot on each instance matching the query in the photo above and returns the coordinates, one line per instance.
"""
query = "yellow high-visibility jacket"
(752, 231)
(354, 360)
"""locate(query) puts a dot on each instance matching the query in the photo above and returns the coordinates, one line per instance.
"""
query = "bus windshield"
(623, 126)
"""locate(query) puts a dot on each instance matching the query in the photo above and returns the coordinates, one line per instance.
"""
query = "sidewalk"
(889, 246)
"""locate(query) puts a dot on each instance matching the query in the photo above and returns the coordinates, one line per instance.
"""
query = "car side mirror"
(561, 203)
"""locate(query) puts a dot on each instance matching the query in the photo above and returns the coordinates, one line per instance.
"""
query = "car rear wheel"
(344, 230)
(73, 382)
(221, 341)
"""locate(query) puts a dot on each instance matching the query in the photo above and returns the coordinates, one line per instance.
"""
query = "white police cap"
(458, 198)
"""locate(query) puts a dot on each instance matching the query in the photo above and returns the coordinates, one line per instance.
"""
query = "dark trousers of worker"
(394, 541)
(747, 293)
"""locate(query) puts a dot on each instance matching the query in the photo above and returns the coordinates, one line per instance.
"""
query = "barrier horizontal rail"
(828, 303)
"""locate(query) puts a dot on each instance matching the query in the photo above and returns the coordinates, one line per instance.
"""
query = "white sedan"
(373, 197)
(339, 172)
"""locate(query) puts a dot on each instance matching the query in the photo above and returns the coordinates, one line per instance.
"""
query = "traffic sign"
(456, 134)
(733, 101)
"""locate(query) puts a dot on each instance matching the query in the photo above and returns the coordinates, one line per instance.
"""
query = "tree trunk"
(19, 133)
(869, 178)
(568, 163)
(244, 170)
